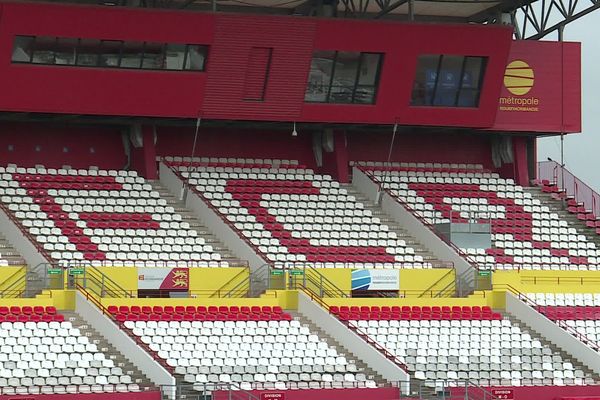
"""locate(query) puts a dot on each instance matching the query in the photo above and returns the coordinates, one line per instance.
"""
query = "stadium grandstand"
(293, 200)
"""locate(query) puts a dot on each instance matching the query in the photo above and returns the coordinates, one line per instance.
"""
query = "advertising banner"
(376, 279)
(541, 90)
(163, 278)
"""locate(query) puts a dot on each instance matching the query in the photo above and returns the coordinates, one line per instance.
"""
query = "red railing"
(25, 232)
(527, 300)
(574, 187)
(91, 298)
(208, 203)
(421, 219)
(390, 356)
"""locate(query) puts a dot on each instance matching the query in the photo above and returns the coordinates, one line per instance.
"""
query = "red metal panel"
(292, 43)
(256, 73)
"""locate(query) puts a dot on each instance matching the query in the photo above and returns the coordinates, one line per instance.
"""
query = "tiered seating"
(101, 217)
(580, 311)
(27, 313)
(293, 215)
(346, 313)
(488, 352)
(200, 313)
(277, 353)
(47, 357)
(525, 233)
(584, 215)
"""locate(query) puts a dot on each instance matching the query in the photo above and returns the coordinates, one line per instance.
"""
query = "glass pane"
(425, 78)
(471, 82)
(175, 55)
(319, 77)
(448, 81)
(66, 50)
(195, 57)
(368, 69)
(43, 50)
(154, 57)
(111, 53)
(88, 52)
(364, 94)
(344, 77)
(22, 49)
(131, 55)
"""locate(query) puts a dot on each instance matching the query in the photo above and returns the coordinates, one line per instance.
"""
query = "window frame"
(483, 60)
(204, 49)
(355, 85)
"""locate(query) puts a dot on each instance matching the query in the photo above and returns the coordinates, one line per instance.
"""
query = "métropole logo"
(519, 79)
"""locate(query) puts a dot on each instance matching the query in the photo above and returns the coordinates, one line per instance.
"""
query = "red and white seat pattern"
(525, 233)
(293, 215)
(266, 352)
(41, 357)
(101, 217)
(467, 346)
(580, 311)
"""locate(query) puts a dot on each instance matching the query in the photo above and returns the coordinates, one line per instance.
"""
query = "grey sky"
(582, 150)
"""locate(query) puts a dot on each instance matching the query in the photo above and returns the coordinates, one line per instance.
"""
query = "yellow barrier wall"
(548, 281)
(203, 281)
(61, 299)
(413, 282)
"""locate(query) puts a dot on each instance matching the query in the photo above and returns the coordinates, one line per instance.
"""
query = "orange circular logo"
(518, 78)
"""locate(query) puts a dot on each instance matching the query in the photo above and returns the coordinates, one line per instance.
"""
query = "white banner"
(376, 279)
(163, 278)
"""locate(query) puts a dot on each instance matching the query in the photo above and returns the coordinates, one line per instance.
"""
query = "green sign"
(296, 272)
(54, 271)
(76, 271)
(485, 273)
(277, 272)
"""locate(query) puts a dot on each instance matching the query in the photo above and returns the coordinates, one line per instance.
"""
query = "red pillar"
(149, 152)
(520, 161)
(341, 156)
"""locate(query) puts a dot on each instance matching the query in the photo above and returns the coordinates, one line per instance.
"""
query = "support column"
(341, 156)
(521, 166)
(149, 152)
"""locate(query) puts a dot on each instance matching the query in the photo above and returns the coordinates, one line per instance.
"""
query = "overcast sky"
(582, 150)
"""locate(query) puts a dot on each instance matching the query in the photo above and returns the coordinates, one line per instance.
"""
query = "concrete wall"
(212, 220)
(122, 342)
(552, 332)
(407, 220)
(13, 234)
(351, 341)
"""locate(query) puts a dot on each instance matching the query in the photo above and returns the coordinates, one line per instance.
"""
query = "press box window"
(343, 77)
(49, 50)
(448, 81)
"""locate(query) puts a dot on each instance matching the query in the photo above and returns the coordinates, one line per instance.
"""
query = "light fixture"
(294, 132)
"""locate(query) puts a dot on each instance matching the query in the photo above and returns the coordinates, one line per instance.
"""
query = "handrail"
(104, 281)
(22, 283)
(430, 288)
(527, 300)
(533, 280)
(209, 204)
(386, 353)
(426, 223)
(567, 181)
(121, 325)
(236, 288)
(25, 232)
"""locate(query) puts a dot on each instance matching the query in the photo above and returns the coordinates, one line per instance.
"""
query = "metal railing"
(561, 323)
(560, 280)
(206, 391)
(574, 187)
(25, 232)
(369, 172)
(363, 335)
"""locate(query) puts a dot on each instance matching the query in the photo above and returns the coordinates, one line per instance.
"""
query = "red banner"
(541, 91)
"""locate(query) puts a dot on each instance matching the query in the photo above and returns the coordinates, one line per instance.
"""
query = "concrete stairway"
(105, 347)
(556, 206)
(195, 224)
(402, 233)
(351, 357)
(9, 253)
(558, 353)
